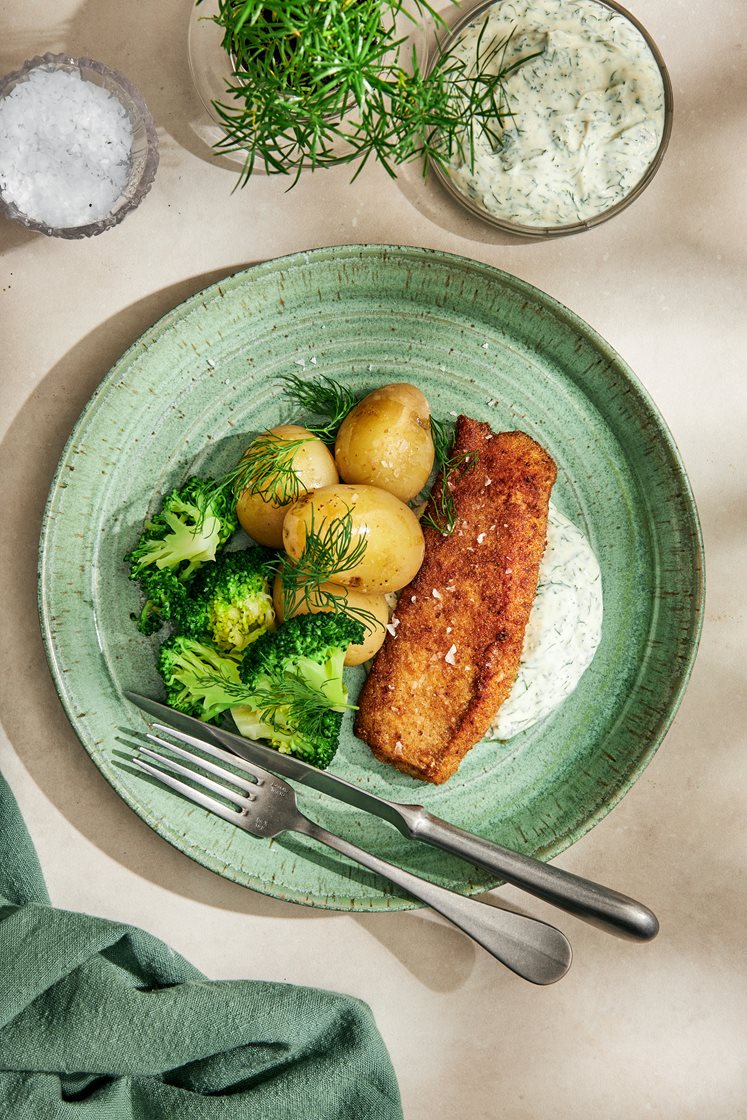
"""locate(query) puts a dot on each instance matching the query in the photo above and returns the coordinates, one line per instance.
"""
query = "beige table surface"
(657, 1030)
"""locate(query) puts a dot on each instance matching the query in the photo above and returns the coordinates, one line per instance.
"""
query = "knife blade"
(592, 902)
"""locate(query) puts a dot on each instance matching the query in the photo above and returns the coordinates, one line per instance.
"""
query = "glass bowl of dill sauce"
(568, 118)
(78, 146)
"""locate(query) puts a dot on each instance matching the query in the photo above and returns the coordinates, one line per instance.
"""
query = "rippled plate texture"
(189, 395)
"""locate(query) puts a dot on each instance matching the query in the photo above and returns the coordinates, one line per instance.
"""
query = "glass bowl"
(214, 72)
(143, 154)
(467, 195)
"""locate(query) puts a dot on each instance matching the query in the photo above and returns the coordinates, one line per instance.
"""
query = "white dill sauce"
(587, 115)
(563, 632)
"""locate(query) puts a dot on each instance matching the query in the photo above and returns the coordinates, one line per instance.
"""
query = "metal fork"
(265, 805)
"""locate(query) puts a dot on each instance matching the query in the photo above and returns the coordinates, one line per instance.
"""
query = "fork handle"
(532, 949)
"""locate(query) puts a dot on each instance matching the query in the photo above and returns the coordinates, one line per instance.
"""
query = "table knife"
(592, 902)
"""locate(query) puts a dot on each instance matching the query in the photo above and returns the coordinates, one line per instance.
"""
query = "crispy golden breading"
(439, 679)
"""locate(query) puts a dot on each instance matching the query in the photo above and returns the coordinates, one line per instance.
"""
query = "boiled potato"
(261, 513)
(347, 518)
(386, 441)
(357, 601)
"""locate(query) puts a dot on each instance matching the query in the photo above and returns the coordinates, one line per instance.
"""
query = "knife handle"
(590, 901)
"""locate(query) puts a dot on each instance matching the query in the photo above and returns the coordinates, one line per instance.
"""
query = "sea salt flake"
(436, 594)
(449, 658)
(65, 149)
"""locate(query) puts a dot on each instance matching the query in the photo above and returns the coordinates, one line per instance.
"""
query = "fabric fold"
(101, 1019)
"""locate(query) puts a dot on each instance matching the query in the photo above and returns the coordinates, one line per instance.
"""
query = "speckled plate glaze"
(187, 397)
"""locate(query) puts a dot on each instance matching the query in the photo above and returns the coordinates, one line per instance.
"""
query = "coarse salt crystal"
(449, 658)
(65, 147)
(436, 594)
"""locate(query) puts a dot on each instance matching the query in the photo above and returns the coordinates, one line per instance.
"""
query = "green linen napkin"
(101, 1021)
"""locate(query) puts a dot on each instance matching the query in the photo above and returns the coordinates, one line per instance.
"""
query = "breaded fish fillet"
(440, 677)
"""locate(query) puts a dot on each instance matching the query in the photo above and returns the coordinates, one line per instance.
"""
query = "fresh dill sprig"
(302, 705)
(324, 398)
(329, 551)
(441, 510)
(288, 698)
(267, 469)
(442, 435)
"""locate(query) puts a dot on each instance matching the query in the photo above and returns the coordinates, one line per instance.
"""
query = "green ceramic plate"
(188, 396)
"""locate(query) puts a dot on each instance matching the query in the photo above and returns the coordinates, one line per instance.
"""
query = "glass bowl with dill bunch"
(573, 128)
(317, 83)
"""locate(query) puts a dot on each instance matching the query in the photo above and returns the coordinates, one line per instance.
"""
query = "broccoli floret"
(192, 525)
(294, 690)
(230, 600)
(165, 598)
(199, 679)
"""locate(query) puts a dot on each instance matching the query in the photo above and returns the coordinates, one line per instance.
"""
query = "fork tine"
(189, 792)
(216, 752)
(205, 763)
(196, 776)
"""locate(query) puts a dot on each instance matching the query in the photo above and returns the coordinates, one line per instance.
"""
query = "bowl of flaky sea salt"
(78, 147)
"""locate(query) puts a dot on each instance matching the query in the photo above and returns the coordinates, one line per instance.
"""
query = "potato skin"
(386, 441)
(359, 600)
(394, 545)
(313, 465)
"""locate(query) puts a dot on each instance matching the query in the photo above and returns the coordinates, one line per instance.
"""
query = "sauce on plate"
(563, 632)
